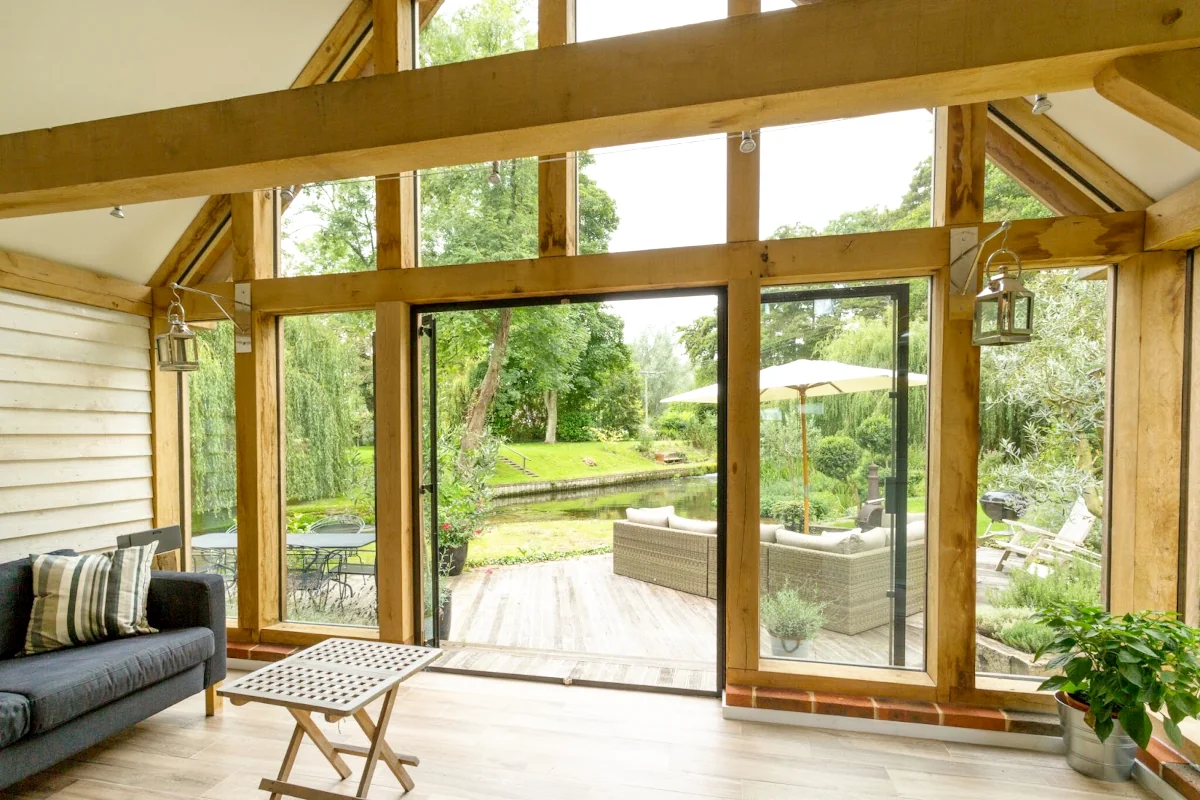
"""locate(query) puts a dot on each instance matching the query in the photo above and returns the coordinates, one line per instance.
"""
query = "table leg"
(377, 733)
(289, 758)
(304, 720)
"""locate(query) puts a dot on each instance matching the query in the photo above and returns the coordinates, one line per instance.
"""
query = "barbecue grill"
(1002, 507)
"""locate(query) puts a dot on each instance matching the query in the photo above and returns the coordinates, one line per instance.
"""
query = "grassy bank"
(565, 460)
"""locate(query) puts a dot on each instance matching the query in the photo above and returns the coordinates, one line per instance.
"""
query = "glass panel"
(329, 467)
(1041, 471)
(463, 30)
(479, 212)
(600, 19)
(653, 195)
(1004, 198)
(328, 228)
(213, 452)
(847, 176)
(558, 581)
(843, 428)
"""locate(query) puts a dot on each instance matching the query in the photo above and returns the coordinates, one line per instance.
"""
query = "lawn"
(565, 460)
(517, 539)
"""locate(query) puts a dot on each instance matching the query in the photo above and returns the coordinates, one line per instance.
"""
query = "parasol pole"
(804, 450)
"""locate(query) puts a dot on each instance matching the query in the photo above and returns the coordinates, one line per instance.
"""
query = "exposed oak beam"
(1047, 184)
(809, 63)
(1064, 154)
(1041, 243)
(33, 275)
(1161, 88)
(1173, 223)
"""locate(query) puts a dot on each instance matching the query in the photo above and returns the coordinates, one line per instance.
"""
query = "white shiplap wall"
(75, 467)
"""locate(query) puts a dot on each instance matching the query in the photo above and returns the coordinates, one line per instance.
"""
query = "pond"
(692, 497)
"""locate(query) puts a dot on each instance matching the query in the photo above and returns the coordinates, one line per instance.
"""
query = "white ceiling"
(1156, 162)
(64, 61)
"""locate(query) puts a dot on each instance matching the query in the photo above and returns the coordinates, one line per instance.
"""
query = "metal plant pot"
(453, 559)
(1111, 760)
(791, 648)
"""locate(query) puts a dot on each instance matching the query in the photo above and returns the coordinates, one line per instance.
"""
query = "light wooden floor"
(575, 620)
(484, 739)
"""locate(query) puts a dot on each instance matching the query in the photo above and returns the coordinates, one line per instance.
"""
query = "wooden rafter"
(809, 63)
(1173, 223)
(1161, 88)
(1020, 162)
(1065, 155)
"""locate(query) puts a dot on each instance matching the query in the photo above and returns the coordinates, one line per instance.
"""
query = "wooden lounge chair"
(1051, 547)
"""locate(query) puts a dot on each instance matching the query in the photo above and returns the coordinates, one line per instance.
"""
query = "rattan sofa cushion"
(657, 517)
(692, 525)
(826, 542)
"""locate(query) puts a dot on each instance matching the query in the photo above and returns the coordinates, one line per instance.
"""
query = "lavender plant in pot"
(1116, 670)
(792, 621)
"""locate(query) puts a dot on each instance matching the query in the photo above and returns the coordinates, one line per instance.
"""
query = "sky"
(672, 193)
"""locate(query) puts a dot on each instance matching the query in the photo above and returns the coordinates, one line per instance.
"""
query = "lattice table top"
(337, 676)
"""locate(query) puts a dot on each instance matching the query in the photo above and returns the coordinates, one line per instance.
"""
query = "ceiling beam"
(1161, 88)
(33, 275)
(809, 63)
(1065, 154)
(1022, 164)
(1173, 223)
(1041, 244)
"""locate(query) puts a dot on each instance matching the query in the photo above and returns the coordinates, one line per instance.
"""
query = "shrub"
(1073, 582)
(645, 440)
(673, 423)
(874, 434)
(989, 620)
(791, 510)
(1027, 636)
(788, 614)
(837, 457)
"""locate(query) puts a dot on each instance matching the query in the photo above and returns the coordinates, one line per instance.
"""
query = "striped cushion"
(83, 599)
(128, 588)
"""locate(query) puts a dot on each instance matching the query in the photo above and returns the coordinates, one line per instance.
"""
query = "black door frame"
(896, 486)
(421, 327)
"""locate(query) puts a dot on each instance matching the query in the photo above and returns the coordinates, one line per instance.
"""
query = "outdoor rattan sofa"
(854, 586)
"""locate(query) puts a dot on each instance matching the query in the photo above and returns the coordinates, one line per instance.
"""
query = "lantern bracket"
(241, 306)
(965, 247)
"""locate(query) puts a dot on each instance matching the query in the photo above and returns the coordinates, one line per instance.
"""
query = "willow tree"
(213, 430)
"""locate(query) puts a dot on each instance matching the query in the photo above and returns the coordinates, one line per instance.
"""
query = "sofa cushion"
(866, 541)
(68, 601)
(830, 542)
(16, 601)
(14, 718)
(767, 531)
(66, 684)
(692, 525)
(658, 517)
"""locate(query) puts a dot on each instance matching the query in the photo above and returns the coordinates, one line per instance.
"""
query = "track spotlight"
(288, 193)
(117, 212)
(494, 178)
(1042, 104)
(748, 145)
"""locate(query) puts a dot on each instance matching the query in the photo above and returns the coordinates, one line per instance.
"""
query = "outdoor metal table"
(337, 678)
(316, 541)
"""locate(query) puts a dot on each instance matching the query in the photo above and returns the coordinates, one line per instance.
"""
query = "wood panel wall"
(75, 449)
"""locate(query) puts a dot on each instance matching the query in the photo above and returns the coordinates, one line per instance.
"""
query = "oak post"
(959, 165)
(558, 179)
(256, 391)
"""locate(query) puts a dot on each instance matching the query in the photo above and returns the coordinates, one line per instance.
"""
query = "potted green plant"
(1115, 671)
(792, 621)
(464, 503)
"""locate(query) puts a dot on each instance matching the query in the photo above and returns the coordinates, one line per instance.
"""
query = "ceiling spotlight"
(494, 178)
(117, 212)
(287, 193)
(748, 145)
(1042, 104)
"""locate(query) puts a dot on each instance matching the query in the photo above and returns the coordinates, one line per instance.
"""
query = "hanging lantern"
(1004, 309)
(177, 347)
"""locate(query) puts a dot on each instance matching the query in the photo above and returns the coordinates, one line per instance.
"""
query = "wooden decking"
(575, 620)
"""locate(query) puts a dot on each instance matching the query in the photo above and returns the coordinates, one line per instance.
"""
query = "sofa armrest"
(191, 600)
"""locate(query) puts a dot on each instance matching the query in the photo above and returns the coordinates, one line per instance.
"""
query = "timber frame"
(566, 97)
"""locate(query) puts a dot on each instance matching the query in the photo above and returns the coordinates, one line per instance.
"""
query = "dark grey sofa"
(55, 705)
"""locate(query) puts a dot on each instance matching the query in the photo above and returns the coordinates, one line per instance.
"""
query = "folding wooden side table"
(337, 678)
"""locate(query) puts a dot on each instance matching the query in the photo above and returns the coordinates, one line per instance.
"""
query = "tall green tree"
(664, 372)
